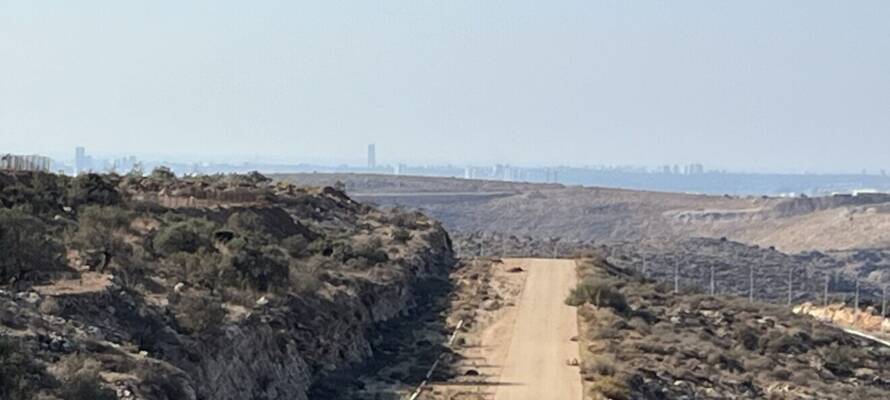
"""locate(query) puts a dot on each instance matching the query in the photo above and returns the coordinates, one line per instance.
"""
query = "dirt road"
(539, 342)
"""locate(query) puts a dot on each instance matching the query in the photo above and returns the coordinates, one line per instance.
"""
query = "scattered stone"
(262, 301)
(491, 305)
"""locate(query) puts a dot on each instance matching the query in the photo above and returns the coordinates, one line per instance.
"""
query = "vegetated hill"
(223, 287)
(584, 213)
(640, 341)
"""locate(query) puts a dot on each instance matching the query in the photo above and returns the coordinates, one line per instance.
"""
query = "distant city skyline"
(748, 86)
(364, 160)
(687, 178)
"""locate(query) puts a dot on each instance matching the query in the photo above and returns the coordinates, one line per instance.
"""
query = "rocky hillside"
(222, 287)
(640, 341)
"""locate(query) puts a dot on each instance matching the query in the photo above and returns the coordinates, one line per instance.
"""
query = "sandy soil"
(539, 345)
(537, 342)
(518, 347)
(89, 282)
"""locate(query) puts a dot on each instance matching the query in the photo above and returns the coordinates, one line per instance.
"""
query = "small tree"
(99, 233)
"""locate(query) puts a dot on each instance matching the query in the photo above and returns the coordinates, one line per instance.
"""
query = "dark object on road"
(515, 270)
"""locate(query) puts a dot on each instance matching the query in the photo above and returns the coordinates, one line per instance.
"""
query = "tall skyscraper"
(372, 156)
(79, 160)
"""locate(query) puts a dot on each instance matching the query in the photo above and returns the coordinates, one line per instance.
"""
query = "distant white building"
(36, 163)
(399, 169)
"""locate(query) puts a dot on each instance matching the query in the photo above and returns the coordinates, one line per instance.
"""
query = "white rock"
(32, 298)
(178, 288)
(262, 301)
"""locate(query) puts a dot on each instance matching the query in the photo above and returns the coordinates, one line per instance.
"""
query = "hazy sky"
(755, 85)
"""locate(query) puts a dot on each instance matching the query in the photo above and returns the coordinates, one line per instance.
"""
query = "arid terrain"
(586, 213)
(225, 287)
(641, 341)
(241, 287)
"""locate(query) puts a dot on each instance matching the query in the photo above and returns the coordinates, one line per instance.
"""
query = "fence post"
(503, 246)
(825, 291)
(644, 266)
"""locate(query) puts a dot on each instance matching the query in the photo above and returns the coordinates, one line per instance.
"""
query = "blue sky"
(752, 85)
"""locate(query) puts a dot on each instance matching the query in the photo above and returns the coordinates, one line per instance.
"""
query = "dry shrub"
(610, 387)
(197, 312)
(600, 293)
(80, 379)
(600, 365)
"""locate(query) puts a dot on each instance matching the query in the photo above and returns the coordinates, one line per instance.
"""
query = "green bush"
(26, 246)
(598, 293)
(407, 220)
(17, 370)
(259, 268)
(748, 337)
(296, 246)
(186, 236)
(372, 251)
(160, 386)
(85, 386)
(197, 313)
(44, 193)
(93, 189)
(610, 388)
(247, 223)
(99, 234)
(201, 268)
(401, 235)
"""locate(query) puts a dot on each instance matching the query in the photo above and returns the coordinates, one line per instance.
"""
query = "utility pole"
(790, 283)
(883, 306)
(644, 266)
(503, 245)
(482, 248)
(856, 304)
(825, 292)
(751, 283)
(555, 246)
(676, 276)
(713, 285)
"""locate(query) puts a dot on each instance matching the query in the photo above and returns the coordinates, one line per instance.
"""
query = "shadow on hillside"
(404, 349)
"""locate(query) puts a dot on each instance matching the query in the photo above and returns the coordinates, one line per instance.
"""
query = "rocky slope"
(640, 341)
(226, 287)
